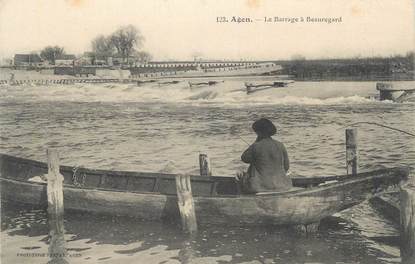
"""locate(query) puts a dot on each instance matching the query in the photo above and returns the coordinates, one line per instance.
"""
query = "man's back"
(269, 163)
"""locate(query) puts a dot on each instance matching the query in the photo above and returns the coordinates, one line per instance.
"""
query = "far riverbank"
(48, 74)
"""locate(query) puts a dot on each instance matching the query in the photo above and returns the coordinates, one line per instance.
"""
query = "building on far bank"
(90, 58)
(27, 60)
(65, 60)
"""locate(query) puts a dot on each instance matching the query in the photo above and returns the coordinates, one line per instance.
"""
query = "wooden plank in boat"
(292, 190)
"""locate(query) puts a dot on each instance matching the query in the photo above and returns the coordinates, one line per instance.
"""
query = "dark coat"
(268, 168)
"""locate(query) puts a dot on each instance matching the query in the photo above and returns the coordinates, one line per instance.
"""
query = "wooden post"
(57, 250)
(186, 203)
(204, 165)
(57, 244)
(54, 185)
(407, 204)
(351, 151)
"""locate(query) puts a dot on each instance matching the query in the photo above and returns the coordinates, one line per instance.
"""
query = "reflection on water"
(104, 239)
(57, 246)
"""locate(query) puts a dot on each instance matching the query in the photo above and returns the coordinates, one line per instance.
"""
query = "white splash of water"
(230, 92)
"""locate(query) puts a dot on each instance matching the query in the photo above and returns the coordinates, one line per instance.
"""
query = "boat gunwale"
(295, 192)
(98, 172)
(144, 174)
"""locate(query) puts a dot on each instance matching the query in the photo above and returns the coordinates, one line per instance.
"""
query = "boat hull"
(214, 197)
(145, 206)
(243, 210)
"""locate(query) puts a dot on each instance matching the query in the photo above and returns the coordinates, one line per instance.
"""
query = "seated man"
(268, 161)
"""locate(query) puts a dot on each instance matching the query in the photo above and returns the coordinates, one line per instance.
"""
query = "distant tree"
(126, 40)
(102, 46)
(50, 53)
(411, 59)
(298, 67)
(298, 57)
(142, 56)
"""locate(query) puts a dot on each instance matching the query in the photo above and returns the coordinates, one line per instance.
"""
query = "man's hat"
(264, 126)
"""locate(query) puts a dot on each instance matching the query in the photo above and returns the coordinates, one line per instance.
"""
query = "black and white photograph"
(207, 131)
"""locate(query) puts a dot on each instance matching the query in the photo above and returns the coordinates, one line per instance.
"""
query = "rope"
(75, 178)
(392, 128)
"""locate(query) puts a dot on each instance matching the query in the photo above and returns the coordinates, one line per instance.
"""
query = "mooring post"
(57, 250)
(204, 165)
(351, 151)
(186, 203)
(54, 185)
(407, 204)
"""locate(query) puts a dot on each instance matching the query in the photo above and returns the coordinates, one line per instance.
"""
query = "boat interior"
(20, 169)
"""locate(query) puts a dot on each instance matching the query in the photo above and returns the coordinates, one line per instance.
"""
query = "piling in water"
(57, 250)
(351, 151)
(186, 203)
(54, 185)
(407, 209)
(204, 165)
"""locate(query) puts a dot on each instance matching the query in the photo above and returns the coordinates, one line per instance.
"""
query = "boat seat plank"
(294, 189)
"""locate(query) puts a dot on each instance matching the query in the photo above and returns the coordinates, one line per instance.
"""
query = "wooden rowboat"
(152, 196)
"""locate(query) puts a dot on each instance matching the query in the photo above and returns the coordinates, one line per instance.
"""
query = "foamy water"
(149, 127)
(230, 92)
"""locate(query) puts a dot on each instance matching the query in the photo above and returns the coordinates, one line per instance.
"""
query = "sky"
(178, 29)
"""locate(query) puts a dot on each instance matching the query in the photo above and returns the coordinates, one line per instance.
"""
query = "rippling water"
(145, 128)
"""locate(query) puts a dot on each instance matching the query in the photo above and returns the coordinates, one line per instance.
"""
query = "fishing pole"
(243, 140)
(392, 128)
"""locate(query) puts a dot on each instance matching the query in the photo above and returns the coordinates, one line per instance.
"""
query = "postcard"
(207, 131)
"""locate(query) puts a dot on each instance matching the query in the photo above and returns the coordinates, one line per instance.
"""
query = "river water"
(151, 127)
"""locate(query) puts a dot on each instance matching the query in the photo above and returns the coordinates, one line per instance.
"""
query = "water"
(146, 128)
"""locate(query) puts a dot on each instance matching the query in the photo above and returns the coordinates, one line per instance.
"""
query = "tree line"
(370, 68)
(126, 42)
